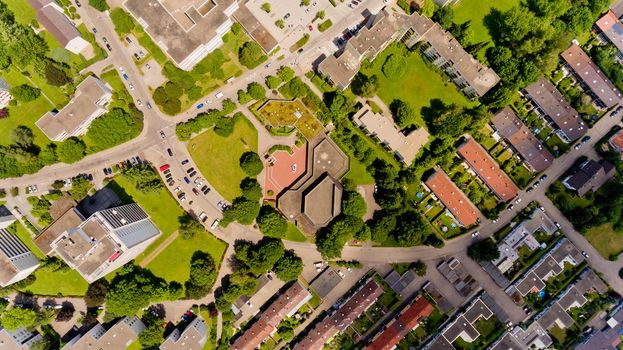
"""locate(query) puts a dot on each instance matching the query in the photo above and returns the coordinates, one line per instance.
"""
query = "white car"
(139, 102)
(215, 224)
(475, 234)
(131, 86)
(518, 201)
(177, 189)
(219, 94)
(122, 70)
(147, 66)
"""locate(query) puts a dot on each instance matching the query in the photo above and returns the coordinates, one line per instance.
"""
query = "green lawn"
(294, 234)
(23, 113)
(476, 11)
(23, 12)
(418, 86)
(181, 251)
(218, 157)
(160, 206)
(607, 241)
(66, 283)
(18, 229)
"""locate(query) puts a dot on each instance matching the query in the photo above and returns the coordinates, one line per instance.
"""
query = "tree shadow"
(493, 23)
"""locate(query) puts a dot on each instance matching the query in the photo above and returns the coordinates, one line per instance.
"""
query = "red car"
(310, 27)
(164, 167)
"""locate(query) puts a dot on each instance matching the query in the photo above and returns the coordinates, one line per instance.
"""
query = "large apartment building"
(88, 103)
(118, 337)
(101, 243)
(16, 260)
(19, 339)
(187, 31)
(440, 47)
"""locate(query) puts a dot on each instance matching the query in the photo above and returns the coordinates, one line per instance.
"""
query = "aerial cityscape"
(311, 174)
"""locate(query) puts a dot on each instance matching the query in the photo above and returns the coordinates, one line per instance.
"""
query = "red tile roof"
(456, 201)
(269, 320)
(617, 141)
(612, 28)
(488, 169)
(341, 318)
(407, 321)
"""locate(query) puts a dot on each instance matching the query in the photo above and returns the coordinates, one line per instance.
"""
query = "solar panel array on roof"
(123, 215)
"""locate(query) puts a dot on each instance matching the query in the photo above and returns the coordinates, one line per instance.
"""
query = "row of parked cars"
(125, 164)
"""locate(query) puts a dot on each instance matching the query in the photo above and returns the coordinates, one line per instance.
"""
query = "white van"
(215, 224)
(203, 217)
(219, 94)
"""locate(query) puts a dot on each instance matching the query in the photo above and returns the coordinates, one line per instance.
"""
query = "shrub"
(71, 150)
(56, 76)
(280, 24)
(266, 7)
(325, 25)
(123, 22)
(394, 67)
(256, 91)
(271, 222)
(273, 82)
(99, 5)
(25, 93)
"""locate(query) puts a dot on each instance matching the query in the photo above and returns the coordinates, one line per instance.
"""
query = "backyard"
(218, 157)
(606, 240)
(428, 83)
(286, 113)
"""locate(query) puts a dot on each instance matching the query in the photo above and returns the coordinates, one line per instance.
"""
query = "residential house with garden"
(550, 102)
(612, 29)
(52, 17)
(592, 78)
(89, 102)
(16, 260)
(461, 208)
(120, 336)
(103, 242)
(609, 337)
(439, 46)
(589, 176)
(193, 335)
(284, 306)
(522, 140)
(187, 31)
(380, 127)
(488, 170)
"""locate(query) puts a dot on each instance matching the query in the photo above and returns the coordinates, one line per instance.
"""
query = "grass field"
(218, 157)
(476, 11)
(160, 206)
(181, 251)
(294, 234)
(418, 86)
(66, 283)
(605, 240)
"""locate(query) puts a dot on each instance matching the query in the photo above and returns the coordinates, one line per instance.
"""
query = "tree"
(189, 226)
(364, 85)
(242, 210)
(450, 121)
(114, 128)
(285, 73)
(444, 16)
(144, 178)
(428, 8)
(256, 91)
(339, 106)
(273, 82)
(80, 187)
(123, 22)
(228, 106)
(485, 250)
(243, 97)
(17, 317)
(289, 267)
(66, 312)
(71, 150)
(419, 267)
(251, 189)
(56, 76)
(353, 204)
(331, 239)
(251, 163)
(132, 289)
(99, 5)
(394, 67)
(25, 93)
(202, 275)
(22, 136)
(153, 335)
(280, 23)
(250, 54)
(402, 112)
(412, 229)
(96, 293)
(266, 7)
(271, 222)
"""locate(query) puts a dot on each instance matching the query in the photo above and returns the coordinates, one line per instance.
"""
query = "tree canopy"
(289, 267)
(17, 317)
(485, 250)
(71, 150)
(202, 275)
(250, 54)
(353, 204)
(25, 93)
(271, 222)
(251, 163)
(114, 128)
(402, 112)
(189, 226)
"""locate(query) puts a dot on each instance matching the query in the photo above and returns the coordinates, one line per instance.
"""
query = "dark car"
(170, 152)
(109, 47)
(585, 139)
(190, 170)
(185, 161)
(195, 191)
(186, 180)
(192, 174)
(543, 177)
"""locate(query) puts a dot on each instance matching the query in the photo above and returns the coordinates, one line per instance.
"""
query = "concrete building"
(522, 140)
(119, 336)
(284, 306)
(52, 17)
(616, 141)
(461, 208)
(441, 48)
(187, 31)
(408, 320)
(611, 28)
(550, 101)
(488, 170)
(16, 260)
(315, 198)
(454, 271)
(589, 176)
(6, 217)
(192, 337)
(606, 94)
(101, 243)
(382, 128)
(20, 339)
(341, 318)
(88, 103)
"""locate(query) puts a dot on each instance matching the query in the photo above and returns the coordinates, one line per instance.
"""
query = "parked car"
(164, 167)
(177, 189)
(109, 47)
(162, 135)
(125, 76)
(215, 224)
(94, 30)
(585, 139)
(192, 174)
(127, 38)
(105, 40)
(186, 180)
(148, 105)
(170, 152)
(203, 217)
(543, 177)
(185, 161)
(190, 170)
(195, 191)
(201, 105)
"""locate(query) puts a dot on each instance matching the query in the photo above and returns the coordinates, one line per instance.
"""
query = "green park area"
(607, 241)
(478, 12)
(291, 113)
(218, 157)
(418, 86)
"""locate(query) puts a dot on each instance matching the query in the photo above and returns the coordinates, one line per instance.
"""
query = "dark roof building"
(517, 134)
(488, 169)
(408, 320)
(341, 318)
(612, 28)
(284, 306)
(570, 126)
(589, 176)
(602, 88)
(463, 210)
